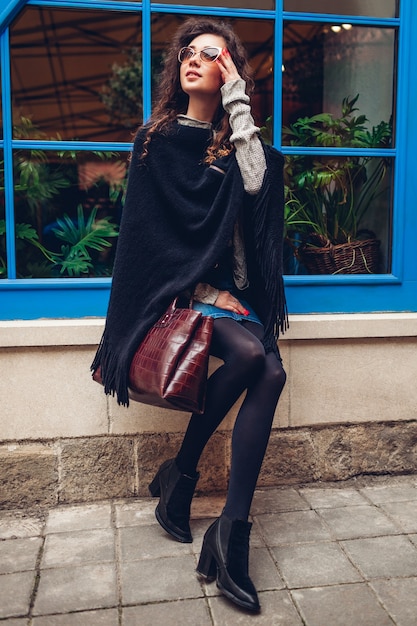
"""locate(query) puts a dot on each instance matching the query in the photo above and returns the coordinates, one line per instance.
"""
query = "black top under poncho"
(177, 221)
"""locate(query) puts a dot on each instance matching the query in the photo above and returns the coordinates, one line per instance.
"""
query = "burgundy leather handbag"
(169, 368)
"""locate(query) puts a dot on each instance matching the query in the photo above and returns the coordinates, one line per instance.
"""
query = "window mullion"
(278, 52)
(8, 156)
(146, 60)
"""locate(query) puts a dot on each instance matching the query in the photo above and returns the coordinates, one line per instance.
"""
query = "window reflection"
(230, 4)
(3, 254)
(338, 214)
(68, 208)
(71, 70)
(374, 8)
(1, 109)
(322, 67)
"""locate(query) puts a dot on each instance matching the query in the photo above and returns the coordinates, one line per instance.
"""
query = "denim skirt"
(214, 311)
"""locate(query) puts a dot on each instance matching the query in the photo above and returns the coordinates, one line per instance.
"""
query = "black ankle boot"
(176, 491)
(224, 556)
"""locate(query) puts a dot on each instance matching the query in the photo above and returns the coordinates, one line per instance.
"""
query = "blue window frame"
(393, 291)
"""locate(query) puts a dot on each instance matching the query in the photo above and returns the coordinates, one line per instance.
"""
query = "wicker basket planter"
(319, 256)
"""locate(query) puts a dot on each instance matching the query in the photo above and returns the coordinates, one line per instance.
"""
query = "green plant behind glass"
(330, 196)
(81, 240)
(37, 187)
(121, 94)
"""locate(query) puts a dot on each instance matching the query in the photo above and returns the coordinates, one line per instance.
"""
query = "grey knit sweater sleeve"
(249, 152)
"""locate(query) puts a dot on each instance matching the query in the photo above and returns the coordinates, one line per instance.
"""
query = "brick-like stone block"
(385, 447)
(289, 458)
(28, 476)
(97, 468)
(155, 448)
(214, 464)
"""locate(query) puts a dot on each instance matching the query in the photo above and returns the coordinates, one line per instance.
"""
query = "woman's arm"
(205, 293)
(245, 136)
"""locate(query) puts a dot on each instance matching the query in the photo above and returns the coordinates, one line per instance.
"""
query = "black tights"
(245, 367)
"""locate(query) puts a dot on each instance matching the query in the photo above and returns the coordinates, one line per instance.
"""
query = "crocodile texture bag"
(169, 368)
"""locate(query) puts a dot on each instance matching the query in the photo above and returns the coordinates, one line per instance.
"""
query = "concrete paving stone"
(292, 527)
(413, 538)
(16, 621)
(105, 617)
(357, 521)
(404, 514)
(82, 517)
(332, 498)
(149, 542)
(18, 555)
(183, 612)
(137, 513)
(206, 507)
(14, 528)
(277, 501)
(314, 565)
(15, 593)
(262, 570)
(277, 609)
(383, 557)
(78, 548)
(341, 605)
(399, 597)
(79, 588)
(397, 493)
(158, 580)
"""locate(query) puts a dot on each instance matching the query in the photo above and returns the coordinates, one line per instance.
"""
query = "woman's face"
(197, 76)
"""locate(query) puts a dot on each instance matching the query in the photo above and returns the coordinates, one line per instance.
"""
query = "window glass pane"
(323, 67)
(77, 74)
(230, 4)
(1, 109)
(67, 208)
(258, 38)
(3, 257)
(373, 8)
(332, 203)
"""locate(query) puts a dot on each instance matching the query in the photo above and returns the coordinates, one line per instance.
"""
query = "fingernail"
(247, 312)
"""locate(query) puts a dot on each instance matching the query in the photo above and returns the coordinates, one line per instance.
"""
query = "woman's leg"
(175, 481)
(225, 550)
(244, 356)
(251, 433)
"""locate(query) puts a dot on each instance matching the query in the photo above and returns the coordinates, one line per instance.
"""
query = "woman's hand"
(226, 301)
(227, 67)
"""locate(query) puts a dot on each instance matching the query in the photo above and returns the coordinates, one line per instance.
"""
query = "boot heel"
(155, 487)
(207, 567)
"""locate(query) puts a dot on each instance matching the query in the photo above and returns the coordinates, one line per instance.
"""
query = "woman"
(204, 215)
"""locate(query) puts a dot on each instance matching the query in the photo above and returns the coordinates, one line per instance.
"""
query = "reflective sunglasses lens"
(209, 55)
(185, 54)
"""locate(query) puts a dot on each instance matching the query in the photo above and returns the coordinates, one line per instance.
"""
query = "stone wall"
(121, 466)
(349, 408)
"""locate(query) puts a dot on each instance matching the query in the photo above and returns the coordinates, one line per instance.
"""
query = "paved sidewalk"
(322, 555)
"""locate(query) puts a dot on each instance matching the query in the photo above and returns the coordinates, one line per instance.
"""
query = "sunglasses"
(207, 55)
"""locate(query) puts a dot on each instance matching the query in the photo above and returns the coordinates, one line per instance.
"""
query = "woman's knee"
(250, 355)
(275, 374)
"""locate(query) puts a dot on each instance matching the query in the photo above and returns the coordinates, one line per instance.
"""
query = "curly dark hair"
(171, 100)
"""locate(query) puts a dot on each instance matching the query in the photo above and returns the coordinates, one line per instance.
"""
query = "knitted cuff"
(205, 293)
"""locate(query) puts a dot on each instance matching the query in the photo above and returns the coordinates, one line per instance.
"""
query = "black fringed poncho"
(177, 221)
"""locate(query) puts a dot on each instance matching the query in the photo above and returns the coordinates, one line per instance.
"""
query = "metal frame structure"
(396, 291)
